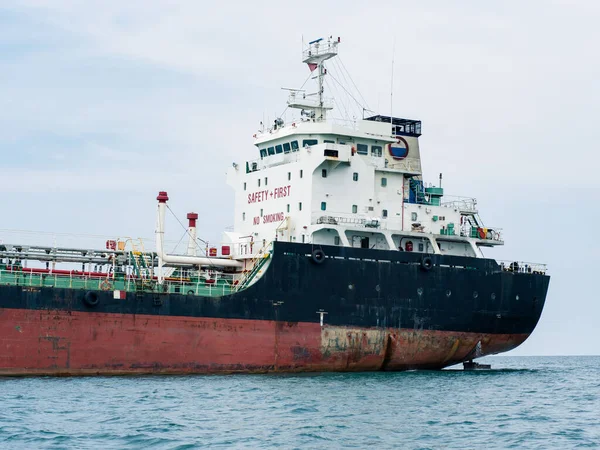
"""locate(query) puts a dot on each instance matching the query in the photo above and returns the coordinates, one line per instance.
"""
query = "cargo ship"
(341, 258)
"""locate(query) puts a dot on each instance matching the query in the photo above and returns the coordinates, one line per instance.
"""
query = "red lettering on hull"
(261, 196)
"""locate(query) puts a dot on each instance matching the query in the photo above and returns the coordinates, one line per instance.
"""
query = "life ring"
(91, 298)
(426, 263)
(318, 256)
(106, 285)
(481, 233)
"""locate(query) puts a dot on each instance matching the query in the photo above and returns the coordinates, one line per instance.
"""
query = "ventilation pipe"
(192, 217)
(177, 259)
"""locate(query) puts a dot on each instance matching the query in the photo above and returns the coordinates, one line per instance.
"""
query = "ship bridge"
(356, 184)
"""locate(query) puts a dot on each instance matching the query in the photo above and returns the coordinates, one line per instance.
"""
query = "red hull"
(42, 342)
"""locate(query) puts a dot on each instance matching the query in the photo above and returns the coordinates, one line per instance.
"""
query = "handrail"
(523, 267)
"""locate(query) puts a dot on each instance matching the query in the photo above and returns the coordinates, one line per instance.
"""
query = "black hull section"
(359, 288)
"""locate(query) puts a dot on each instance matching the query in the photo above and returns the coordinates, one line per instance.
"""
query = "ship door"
(364, 242)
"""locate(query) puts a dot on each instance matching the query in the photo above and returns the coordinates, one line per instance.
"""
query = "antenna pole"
(392, 82)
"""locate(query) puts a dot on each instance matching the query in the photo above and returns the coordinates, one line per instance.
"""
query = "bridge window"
(384, 182)
(263, 152)
(323, 206)
(362, 149)
(355, 176)
(354, 209)
(376, 150)
(271, 150)
(261, 212)
(328, 142)
(278, 149)
(336, 240)
(294, 146)
(384, 213)
(324, 173)
(309, 142)
(286, 148)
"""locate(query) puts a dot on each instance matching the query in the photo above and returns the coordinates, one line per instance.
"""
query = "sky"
(103, 104)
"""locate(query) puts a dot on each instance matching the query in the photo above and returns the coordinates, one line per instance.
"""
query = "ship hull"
(45, 342)
(359, 310)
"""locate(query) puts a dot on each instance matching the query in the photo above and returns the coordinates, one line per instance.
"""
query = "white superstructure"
(315, 181)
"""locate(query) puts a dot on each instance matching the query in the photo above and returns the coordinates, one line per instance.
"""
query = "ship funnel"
(180, 259)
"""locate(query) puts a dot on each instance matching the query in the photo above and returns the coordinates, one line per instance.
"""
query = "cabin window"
(362, 149)
(301, 173)
(336, 240)
(288, 208)
(326, 141)
(278, 149)
(289, 176)
(263, 152)
(384, 182)
(286, 148)
(294, 146)
(354, 209)
(244, 185)
(323, 206)
(259, 182)
(266, 180)
(421, 247)
(303, 238)
(355, 176)
(309, 142)
(376, 150)
(413, 216)
(384, 213)
(271, 150)
(300, 206)
(324, 173)
(243, 216)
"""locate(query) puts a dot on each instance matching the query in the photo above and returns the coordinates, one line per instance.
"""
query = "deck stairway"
(256, 264)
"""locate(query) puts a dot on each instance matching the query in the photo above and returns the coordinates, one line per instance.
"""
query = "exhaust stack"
(192, 217)
(177, 259)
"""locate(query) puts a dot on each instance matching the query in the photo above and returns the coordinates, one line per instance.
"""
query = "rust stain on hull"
(66, 343)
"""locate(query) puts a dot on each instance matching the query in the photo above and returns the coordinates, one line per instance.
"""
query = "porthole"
(378, 288)
(493, 296)
(517, 297)
(420, 291)
(475, 294)
(350, 286)
(448, 293)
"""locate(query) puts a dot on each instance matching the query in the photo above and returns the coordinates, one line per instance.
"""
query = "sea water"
(523, 402)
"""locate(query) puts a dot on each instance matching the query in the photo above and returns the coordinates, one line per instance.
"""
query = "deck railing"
(208, 284)
(523, 267)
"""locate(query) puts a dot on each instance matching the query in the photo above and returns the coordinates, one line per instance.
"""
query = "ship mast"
(315, 55)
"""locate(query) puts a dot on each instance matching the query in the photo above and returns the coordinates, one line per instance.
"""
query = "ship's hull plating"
(381, 311)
